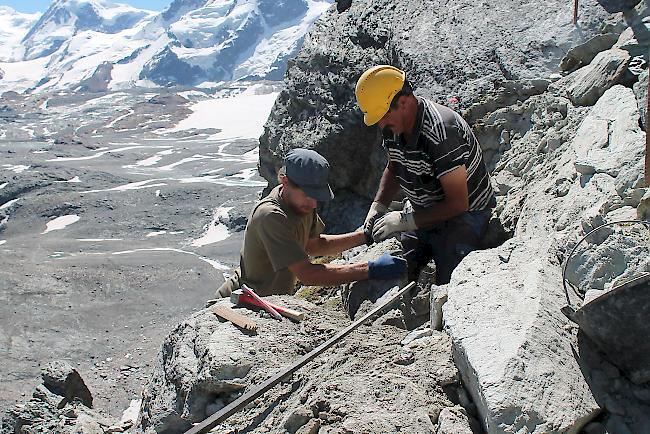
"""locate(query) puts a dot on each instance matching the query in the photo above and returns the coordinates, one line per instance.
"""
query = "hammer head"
(234, 296)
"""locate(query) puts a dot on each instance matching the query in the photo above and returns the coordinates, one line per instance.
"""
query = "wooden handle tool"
(238, 319)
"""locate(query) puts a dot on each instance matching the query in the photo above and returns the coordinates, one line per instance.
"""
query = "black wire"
(566, 263)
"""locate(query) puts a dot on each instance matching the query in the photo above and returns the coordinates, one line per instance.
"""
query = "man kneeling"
(284, 230)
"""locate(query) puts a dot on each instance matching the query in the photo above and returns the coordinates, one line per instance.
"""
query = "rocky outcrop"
(60, 404)
(471, 60)
(369, 382)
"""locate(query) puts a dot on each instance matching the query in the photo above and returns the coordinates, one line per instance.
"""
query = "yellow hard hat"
(376, 89)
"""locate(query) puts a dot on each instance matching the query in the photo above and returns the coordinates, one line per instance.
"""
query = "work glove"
(386, 267)
(376, 210)
(393, 222)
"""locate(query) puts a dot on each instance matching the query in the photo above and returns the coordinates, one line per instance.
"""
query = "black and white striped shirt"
(441, 142)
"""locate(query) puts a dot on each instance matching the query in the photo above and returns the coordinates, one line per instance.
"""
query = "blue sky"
(41, 5)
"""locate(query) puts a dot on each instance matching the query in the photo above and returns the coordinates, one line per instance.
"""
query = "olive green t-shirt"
(275, 238)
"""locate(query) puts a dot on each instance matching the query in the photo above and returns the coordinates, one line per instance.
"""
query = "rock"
(588, 83)
(583, 54)
(641, 93)
(509, 343)
(594, 428)
(58, 405)
(635, 42)
(354, 294)
(616, 424)
(438, 300)
(311, 427)
(415, 335)
(297, 419)
(643, 210)
(64, 380)
(613, 6)
(453, 420)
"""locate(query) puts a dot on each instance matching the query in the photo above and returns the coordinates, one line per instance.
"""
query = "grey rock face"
(317, 110)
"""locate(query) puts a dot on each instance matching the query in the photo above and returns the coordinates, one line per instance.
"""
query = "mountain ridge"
(189, 43)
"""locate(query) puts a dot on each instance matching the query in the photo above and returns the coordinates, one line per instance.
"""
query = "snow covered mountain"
(13, 27)
(98, 45)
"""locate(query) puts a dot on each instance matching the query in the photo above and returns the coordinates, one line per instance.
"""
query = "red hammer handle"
(289, 313)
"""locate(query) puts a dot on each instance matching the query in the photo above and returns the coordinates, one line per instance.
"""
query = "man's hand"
(391, 223)
(377, 209)
(386, 267)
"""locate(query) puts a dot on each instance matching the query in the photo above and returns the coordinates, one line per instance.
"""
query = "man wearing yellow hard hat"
(435, 159)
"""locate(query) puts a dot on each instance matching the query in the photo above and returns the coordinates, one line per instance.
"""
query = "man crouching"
(284, 230)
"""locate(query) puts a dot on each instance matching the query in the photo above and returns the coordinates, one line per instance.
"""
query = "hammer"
(238, 297)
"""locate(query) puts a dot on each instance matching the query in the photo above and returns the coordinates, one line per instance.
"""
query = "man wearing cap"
(284, 230)
(435, 159)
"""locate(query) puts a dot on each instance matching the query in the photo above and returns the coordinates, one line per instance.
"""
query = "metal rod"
(246, 398)
(647, 139)
(575, 12)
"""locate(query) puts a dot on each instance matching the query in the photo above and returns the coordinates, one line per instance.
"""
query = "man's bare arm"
(328, 274)
(333, 244)
(456, 201)
(388, 187)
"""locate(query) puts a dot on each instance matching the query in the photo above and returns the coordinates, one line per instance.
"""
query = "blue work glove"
(386, 267)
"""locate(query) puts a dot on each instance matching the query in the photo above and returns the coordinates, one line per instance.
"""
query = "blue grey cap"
(309, 170)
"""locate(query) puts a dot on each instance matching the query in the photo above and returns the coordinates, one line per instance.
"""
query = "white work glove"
(377, 208)
(391, 223)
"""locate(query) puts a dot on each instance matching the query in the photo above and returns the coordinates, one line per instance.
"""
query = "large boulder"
(583, 54)
(60, 404)
(470, 61)
(510, 344)
(587, 84)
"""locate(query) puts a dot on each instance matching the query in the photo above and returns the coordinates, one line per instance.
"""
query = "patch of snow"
(16, 169)
(156, 233)
(2, 242)
(216, 231)
(241, 116)
(92, 240)
(8, 204)
(60, 223)
(151, 160)
(75, 179)
(215, 264)
(99, 154)
(3, 185)
(130, 186)
(227, 181)
(185, 160)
